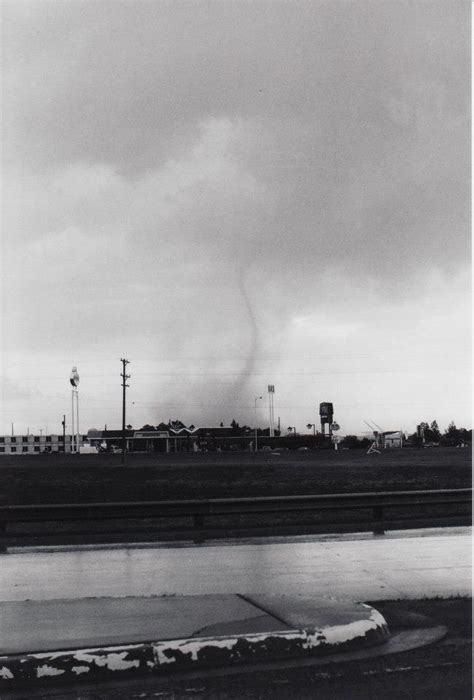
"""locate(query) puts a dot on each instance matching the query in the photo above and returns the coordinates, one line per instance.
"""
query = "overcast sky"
(231, 194)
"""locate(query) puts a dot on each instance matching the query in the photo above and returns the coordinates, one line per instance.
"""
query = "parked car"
(87, 448)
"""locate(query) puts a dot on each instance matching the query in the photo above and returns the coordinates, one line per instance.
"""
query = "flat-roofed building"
(34, 444)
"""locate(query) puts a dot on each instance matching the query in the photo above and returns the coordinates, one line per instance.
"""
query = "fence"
(198, 520)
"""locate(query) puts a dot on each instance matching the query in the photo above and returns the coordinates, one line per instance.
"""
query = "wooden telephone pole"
(124, 386)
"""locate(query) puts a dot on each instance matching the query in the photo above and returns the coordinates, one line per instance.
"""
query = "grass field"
(102, 478)
(49, 479)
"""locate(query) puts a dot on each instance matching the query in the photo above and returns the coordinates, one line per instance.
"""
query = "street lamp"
(311, 425)
(292, 428)
(256, 438)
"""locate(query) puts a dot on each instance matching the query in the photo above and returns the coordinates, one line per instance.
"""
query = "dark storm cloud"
(255, 161)
(359, 111)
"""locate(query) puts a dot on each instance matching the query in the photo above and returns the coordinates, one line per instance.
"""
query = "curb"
(183, 654)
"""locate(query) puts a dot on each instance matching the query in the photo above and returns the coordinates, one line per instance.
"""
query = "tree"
(351, 442)
(176, 424)
(415, 439)
(234, 425)
(430, 433)
(453, 436)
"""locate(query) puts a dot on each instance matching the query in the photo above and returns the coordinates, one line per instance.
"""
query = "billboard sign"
(326, 412)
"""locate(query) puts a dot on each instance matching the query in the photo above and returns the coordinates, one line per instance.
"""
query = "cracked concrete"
(363, 627)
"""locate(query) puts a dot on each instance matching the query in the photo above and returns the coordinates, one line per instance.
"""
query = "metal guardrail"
(37, 525)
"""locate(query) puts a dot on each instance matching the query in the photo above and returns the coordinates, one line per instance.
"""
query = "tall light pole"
(74, 379)
(313, 426)
(256, 437)
(271, 392)
(124, 386)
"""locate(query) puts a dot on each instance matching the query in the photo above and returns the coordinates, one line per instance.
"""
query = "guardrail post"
(377, 514)
(3, 537)
(198, 521)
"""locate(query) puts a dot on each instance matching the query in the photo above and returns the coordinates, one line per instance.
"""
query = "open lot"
(58, 478)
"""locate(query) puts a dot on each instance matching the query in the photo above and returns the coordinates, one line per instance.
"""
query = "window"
(37, 438)
(25, 448)
(2, 449)
(13, 439)
(13, 448)
(24, 438)
(2, 439)
(37, 449)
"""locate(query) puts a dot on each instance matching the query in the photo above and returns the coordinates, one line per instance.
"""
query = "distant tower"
(326, 412)
(271, 392)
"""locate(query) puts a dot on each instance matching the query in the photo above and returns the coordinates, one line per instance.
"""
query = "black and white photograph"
(236, 337)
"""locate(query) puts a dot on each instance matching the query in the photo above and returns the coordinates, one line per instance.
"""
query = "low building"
(35, 444)
(172, 438)
(393, 439)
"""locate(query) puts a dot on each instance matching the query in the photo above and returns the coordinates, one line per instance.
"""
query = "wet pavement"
(397, 565)
(101, 611)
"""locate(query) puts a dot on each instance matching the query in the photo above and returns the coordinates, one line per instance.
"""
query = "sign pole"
(74, 379)
(78, 441)
(72, 421)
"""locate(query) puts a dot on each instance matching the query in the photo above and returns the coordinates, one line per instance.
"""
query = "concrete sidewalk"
(94, 612)
(99, 638)
(413, 564)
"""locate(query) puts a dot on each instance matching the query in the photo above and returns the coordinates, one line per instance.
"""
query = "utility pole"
(124, 386)
(256, 431)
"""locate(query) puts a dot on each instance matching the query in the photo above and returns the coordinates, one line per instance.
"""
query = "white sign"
(74, 378)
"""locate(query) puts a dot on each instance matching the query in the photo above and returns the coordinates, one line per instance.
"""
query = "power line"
(261, 358)
(327, 372)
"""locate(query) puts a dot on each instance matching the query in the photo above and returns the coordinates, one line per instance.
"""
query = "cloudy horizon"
(231, 195)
